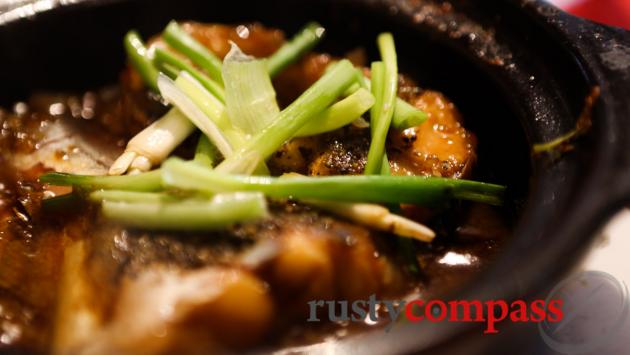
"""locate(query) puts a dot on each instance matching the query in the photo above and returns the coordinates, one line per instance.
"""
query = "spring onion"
(364, 188)
(164, 59)
(378, 77)
(141, 155)
(406, 246)
(373, 216)
(312, 102)
(221, 211)
(340, 114)
(291, 51)
(385, 102)
(245, 165)
(181, 41)
(216, 111)
(211, 106)
(387, 49)
(376, 86)
(377, 83)
(206, 153)
(179, 99)
(154, 143)
(405, 115)
(374, 164)
(151, 181)
(336, 116)
(138, 57)
(377, 217)
(169, 70)
(130, 196)
(250, 98)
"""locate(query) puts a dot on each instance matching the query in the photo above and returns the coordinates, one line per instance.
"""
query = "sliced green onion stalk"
(130, 196)
(376, 165)
(340, 114)
(406, 246)
(385, 102)
(206, 153)
(181, 41)
(377, 82)
(288, 54)
(221, 211)
(215, 110)
(378, 77)
(249, 95)
(151, 181)
(405, 115)
(385, 168)
(417, 190)
(179, 99)
(141, 155)
(211, 106)
(247, 164)
(377, 217)
(139, 58)
(153, 144)
(290, 120)
(164, 58)
(299, 45)
(336, 116)
(169, 70)
(374, 216)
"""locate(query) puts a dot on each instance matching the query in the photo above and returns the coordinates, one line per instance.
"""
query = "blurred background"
(611, 12)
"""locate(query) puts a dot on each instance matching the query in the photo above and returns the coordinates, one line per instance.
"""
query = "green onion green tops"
(151, 181)
(181, 41)
(191, 214)
(384, 89)
(163, 57)
(363, 188)
(233, 103)
(139, 58)
(299, 45)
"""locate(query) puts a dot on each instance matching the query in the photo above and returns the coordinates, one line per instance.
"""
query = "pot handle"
(606, 51)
